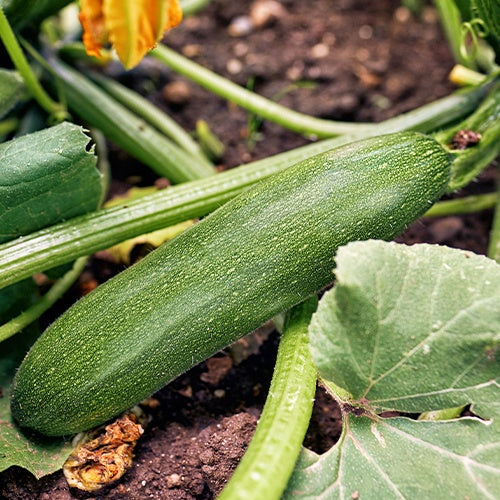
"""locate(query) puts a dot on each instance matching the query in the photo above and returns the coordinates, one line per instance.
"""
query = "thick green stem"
(494, 246)
(269, 460)
(32, 84)
(469, 162)
(261, 106)
(31, 314)
(92, 232)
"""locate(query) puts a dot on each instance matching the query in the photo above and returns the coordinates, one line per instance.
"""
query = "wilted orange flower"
(133, 27)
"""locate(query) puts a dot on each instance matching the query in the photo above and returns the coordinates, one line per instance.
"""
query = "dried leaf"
(99, 461)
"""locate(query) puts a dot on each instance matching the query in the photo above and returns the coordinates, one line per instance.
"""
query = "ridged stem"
(261, 106)
(451, 22)
(86, 234)
(269, 460)
(494, 246)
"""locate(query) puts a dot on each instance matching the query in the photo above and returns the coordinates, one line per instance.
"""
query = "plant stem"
(261, 106)
(269, 460)
(469, 162)
(153, 115)
(451, 22)
(494, 246)
(7, 126)
(465, 205)
(31, 314)
(30, 80)
(89, 233)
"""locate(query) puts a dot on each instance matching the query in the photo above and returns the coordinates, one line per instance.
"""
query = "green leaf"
(46, 177)
(12, 90)
(402, 458)
(411, 329)
(39, 455)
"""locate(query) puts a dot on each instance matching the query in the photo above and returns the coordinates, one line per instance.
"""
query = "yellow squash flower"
(133, 27)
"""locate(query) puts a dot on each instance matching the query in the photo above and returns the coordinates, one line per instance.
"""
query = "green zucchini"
(259, 254)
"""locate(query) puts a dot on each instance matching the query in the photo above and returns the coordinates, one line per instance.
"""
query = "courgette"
(259, 254)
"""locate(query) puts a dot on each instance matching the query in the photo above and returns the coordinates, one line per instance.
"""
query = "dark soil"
(368, 61)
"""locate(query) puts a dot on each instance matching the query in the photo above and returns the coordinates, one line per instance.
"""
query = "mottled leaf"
(411, 328)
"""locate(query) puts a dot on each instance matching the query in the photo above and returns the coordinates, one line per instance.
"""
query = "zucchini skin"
(261, 253)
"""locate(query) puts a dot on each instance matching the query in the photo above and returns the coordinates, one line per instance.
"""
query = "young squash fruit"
(259, 254)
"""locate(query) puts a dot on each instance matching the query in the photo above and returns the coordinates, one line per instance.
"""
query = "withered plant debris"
(103, 455)
(464, 139)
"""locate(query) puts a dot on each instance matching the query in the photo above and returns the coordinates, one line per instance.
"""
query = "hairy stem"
(269, 460)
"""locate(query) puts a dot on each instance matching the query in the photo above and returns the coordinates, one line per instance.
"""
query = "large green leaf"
(39, 455)
(12, 90)
(411, 328)
(46, 177)
(402, 458)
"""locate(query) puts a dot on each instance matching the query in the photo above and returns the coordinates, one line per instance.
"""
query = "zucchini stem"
(269, 460)
(494, 246)
(465, 205)
(259, 105)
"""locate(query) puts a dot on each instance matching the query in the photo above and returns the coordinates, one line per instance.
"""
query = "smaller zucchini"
(261, 253)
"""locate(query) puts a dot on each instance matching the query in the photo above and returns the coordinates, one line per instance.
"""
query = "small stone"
(191, 50)
(402, 14)
(234, 66)
(365, 32)
(445, 229)
(263, 12)
(240, 49)
(177, 92)
(173, 480)
(319, 51)
(240, 26)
